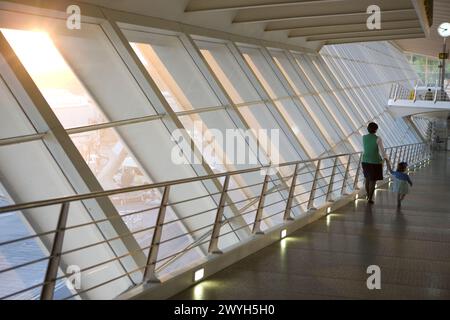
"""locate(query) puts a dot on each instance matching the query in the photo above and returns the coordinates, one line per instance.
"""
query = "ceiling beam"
(377, 38)
(290, 16)
(228, 5)
(357, 27)
(363, 34)
(342, 20)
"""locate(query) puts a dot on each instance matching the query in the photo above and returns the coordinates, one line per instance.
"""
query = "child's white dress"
(401, 182)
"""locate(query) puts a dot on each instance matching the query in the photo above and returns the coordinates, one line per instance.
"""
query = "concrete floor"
(328, 259)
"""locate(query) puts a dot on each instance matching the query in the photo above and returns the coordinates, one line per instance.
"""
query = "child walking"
(401, 182)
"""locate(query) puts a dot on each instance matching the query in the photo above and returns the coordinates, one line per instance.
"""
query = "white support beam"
(252, 17)
(220, 5)
(364, 34)
(376, 38)
(335, 29)
(330, 21)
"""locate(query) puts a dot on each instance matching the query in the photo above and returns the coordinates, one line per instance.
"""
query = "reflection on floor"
(329, 258)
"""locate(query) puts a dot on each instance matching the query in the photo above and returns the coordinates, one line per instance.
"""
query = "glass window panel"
(174, 71)
(329, 108)
(61, 88)
(13, 121)
(32, 159)
(237, 85)
(283, 101)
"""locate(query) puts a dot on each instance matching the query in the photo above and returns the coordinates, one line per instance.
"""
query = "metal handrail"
(328, 188)
(100, 194)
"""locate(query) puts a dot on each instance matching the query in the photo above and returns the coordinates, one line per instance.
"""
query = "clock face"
(444, 29)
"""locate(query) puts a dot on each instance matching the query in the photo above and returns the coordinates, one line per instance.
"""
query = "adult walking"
(372, 160)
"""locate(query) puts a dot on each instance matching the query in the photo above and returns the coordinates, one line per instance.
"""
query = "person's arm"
(388, 164)
(409, 181)
(381, 149)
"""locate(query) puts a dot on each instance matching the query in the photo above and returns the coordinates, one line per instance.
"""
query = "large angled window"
(186, 90)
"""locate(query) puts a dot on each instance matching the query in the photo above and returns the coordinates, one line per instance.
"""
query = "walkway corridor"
(328, 259)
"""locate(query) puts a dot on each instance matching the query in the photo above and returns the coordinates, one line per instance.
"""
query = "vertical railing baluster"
(51, 273)
(409, 154)
(347, 170)
(152, 258)
(390, 160)
(414, 159)
(287, 211)
(214, 242)
(313, 187)
(401, 154)
(358, 170)
(394, 161)
(331, 183)
(418, 153)
(422, 153)
(259, 211)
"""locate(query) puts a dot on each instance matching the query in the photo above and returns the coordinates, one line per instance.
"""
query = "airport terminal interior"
(215, 149)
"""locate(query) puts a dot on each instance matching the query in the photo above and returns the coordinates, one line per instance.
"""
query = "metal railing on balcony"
(434, 94)
(332, 177)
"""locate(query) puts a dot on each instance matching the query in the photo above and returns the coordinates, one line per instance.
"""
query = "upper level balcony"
(420, 99)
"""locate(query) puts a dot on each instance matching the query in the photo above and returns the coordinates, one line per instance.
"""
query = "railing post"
(48, 288)
(435, 93)
(390, 160)
(287, 211)
(259, 212)
(418, 156)
(214, 242)
(419, 153)
(422, 154)
(358, 170)
(415, 155)
(152, 258)
(409, 153)
(331, 183)
(415, 92)
(401, 154)
(394, 161)
(313, 187)
(347, 170)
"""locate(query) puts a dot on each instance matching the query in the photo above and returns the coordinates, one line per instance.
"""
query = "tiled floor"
(328, 259)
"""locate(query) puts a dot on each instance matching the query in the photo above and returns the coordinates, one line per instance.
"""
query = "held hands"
(388, 164)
